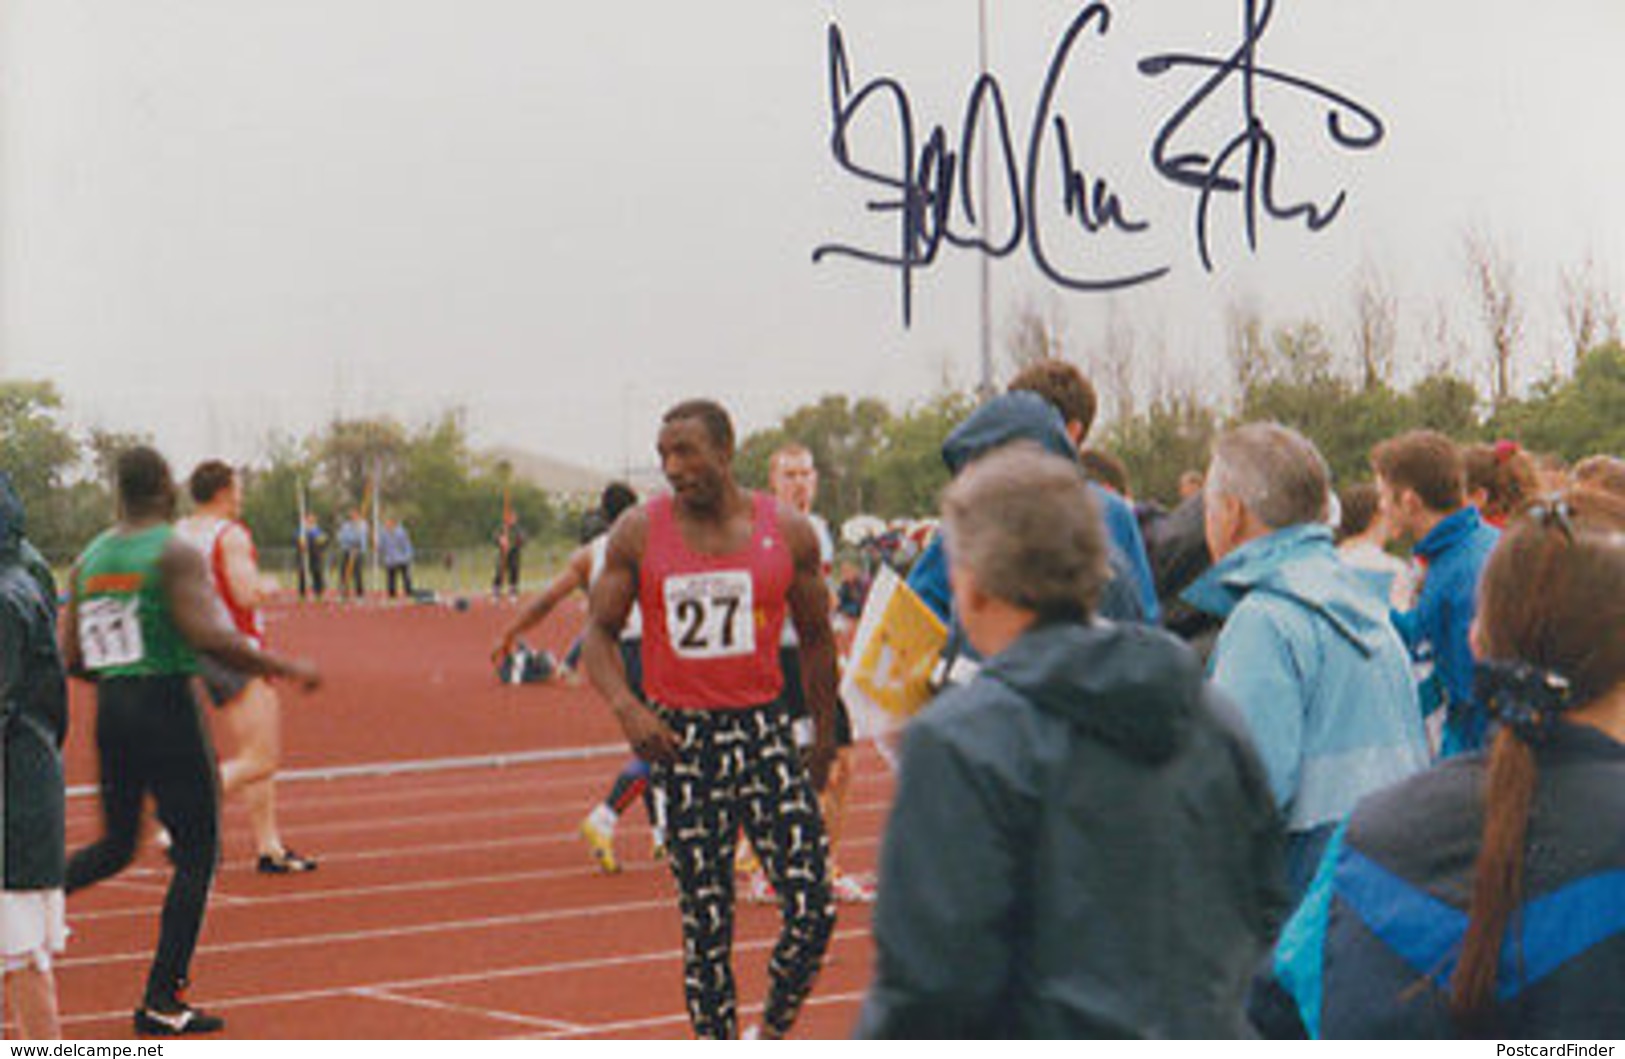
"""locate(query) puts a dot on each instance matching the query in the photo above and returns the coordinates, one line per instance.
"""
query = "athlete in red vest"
(250, 705)
(715, 569)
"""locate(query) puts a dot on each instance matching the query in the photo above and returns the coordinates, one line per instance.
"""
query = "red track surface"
(457, 903)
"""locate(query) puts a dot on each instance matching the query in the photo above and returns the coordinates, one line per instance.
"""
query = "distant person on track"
(395, 553)
(34, 694)
(249, 705)
(714, 569)
(579, 574)
(353, 556)
(793, 478)
(140, 609)
(312, 545)
(510, 542)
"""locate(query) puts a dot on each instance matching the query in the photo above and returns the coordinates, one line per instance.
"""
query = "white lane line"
(416, 766)
(495, 1015)
(747, 1012)
(412, 886)
(383, 933)
(673, 955)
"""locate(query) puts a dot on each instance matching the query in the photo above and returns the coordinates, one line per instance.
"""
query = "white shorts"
(35, 926)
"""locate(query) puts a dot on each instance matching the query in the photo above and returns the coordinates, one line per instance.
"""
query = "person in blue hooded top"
(1082, 842)
(1306, 651)
(1422, 479)
(1007, 418)
(1485, 897)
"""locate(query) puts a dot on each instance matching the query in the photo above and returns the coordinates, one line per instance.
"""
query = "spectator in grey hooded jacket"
(1082, 841)
(33, 692)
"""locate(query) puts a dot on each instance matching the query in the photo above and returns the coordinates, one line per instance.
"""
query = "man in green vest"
(140, 608)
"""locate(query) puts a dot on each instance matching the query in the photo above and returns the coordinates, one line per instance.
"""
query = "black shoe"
(287, 863)
(180, 1022)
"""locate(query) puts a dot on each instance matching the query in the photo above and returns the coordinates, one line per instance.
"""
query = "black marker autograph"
(929, 182)
(1255, 145)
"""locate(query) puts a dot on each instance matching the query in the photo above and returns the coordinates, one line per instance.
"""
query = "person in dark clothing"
(33, 692)
(312, 544)
(510, 542)
(1484, 897)
(140, 610)
(1082, 842)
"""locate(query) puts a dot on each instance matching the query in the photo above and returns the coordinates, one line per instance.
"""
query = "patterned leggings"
(738, 769)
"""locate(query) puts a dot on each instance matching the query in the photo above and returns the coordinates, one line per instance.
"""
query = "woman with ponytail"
(1486, 897)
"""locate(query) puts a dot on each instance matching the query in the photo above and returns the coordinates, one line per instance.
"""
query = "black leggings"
(737, 769)
(150, 736)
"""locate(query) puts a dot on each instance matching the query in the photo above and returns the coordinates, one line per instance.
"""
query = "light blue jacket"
(1318, 671)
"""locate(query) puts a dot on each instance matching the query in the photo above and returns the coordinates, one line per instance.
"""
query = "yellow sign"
(895, 648)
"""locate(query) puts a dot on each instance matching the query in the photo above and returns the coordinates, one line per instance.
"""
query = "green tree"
(843, 436)
(41, 455)
(1171, 437)
(908, 474)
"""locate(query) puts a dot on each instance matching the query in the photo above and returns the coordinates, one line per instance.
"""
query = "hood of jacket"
(1298, 563)
(1019, 416)
(1130, 686)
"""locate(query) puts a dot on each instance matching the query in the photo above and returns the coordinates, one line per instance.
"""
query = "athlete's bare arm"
(575, 575)
(249, 587)
(73, 661)
(202, 620)
(612, 598)
(809, 609)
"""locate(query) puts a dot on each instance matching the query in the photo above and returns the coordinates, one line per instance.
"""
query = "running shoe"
(758, 891)
(285, 863)
(657, 844)
(852, 889)
(602, 845)
(175, 1018)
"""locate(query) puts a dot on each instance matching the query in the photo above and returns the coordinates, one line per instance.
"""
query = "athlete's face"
(794, 481)
(695, 466)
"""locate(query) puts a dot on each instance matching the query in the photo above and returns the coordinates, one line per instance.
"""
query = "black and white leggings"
(738, 769)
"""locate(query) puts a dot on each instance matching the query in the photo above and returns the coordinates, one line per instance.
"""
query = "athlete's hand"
(820, 758)
(504, 647)
(303, 672)
(648, 735)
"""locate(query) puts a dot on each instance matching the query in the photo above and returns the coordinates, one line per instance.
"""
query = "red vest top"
(711, 622)
(205, 534)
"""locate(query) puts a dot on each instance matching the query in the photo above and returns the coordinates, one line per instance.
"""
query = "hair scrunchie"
(1525, 698)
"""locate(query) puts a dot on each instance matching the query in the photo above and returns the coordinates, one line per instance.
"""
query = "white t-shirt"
(633, 630)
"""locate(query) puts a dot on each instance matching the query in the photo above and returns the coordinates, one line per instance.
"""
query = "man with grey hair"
(1306, 651)
(1083, 808)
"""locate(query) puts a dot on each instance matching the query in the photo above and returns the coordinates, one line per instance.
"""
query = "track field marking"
(674, 955)
(495, 1015)
(442, 883)
(340, 937)
(746, 1011)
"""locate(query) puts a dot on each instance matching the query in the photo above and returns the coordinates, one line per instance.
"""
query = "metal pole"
(985, 388)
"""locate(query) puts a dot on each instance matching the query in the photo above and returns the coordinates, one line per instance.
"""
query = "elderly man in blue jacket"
(1306, 651)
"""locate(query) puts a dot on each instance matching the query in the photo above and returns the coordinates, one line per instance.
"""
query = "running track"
(454, 899)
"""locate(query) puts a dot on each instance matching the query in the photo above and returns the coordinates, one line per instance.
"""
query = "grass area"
(446, 572)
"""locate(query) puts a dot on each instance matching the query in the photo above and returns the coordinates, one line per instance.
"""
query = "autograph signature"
(929, 184)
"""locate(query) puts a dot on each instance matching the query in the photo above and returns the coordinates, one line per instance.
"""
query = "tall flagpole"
(306, 578)
(985, 387)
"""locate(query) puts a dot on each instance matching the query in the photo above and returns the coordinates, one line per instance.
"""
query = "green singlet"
(125, 625)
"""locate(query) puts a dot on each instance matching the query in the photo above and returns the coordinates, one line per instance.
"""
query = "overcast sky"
(223, 218)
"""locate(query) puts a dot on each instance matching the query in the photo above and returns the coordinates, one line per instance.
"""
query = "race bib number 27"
(110, 633)
(710, 615)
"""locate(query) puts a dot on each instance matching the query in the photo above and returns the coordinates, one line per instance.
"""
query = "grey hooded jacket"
(1082, 844)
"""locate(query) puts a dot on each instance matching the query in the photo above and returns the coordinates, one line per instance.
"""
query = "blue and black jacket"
(1371, 950)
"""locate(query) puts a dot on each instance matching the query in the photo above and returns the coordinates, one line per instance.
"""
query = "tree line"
(426, 476)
